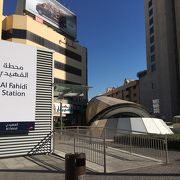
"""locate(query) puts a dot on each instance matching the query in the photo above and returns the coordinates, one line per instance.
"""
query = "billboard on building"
(17, 85)
(54, 13)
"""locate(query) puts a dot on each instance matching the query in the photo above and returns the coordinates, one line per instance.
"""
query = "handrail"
(84, 135)
(125, 130)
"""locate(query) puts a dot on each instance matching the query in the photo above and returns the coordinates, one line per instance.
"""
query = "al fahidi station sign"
(17, 86)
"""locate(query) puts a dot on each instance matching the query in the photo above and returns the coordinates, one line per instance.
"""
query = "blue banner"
(16, 127)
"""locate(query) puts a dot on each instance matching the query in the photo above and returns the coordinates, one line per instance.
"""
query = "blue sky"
(114, 33)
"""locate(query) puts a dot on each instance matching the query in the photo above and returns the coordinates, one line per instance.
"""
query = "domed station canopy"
(103, 111)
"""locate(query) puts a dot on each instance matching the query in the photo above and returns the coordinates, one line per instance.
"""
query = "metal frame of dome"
(100, 106)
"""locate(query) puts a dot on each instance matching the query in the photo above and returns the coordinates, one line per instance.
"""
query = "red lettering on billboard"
(38, 19)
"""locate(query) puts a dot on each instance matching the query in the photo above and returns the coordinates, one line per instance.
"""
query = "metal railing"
(97, 142)
(70, 142)
(142, 144)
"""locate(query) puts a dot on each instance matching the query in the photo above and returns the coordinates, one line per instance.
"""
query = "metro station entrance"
(69, 104)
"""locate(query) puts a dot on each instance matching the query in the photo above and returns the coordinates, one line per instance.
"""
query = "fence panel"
(100, 143)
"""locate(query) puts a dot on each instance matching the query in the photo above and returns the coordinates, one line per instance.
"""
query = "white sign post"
(17, 82)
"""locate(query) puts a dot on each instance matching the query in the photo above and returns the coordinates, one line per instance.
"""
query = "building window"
(61, 81)
(152, 49)
(150, 12)
(151, 21)
(19, 33)
(127, 96)
(150, 3)
(152, 85)
(152, 30)
(153, 67)
(24, 34)
(67, 68)
(153, 58)
(152, 39)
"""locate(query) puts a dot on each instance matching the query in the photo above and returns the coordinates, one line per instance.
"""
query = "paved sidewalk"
(158, 172)
(51, 167)
(116, 161)
(40, 167)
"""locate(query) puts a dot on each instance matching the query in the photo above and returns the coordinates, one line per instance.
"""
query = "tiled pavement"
(50, 167)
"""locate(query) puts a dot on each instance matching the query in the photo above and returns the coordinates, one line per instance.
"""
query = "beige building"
(160, 84)
(70, 58)
(129, 91)
(1, 16)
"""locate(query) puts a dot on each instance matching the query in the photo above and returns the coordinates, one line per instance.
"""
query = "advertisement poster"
(54, 13)
(17, 84)
(66, 109)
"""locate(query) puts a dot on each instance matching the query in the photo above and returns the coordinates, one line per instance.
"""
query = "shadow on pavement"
(49, 162)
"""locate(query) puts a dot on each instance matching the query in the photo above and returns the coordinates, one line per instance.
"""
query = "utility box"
(75, 166)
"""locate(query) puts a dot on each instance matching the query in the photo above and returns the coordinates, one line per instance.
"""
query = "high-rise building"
(48, 24)
(160, 84)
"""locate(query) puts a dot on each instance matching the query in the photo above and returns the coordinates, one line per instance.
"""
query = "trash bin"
(80, 164)
(75, 166)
